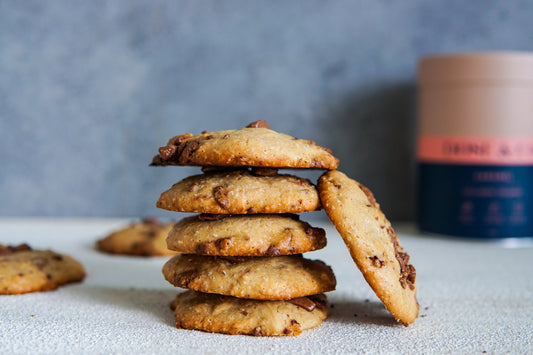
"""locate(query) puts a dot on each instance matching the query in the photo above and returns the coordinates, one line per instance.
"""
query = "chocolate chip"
(151, 234)
(222, 243)
(264, 171)
(221, 197)
(407, 271)
(376, 262)
(286, 331)
(40, 262)
(294, 321)
(150, 220)
(258, 124)
(304, 302)
(178, 140)
(188, 151)
(9, 249)
(368, 194)
(273, 251)
(57, 257)
(168, 151)
(233, 259)
(185, 278)
(157, 161)
(210, 217)
(201, 249)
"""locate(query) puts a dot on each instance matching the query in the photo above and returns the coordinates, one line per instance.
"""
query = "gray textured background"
(90, 89)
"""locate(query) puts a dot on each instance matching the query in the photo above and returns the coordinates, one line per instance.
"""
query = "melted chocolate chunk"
(376, 262)
(40, 262)
(264, 171)
(304, 302)
(233, 259)
(10, 249)
(185, 278)
(168, 151)
(210, 217)
(150, 220)
(219, 169)
(407, 271)
(369, 195)
(309, 303)
(221, 196)
(258, 124)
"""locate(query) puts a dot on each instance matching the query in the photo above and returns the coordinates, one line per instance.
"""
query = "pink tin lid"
(479, 68)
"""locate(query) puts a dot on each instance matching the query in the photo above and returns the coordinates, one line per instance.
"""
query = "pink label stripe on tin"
(475, 150)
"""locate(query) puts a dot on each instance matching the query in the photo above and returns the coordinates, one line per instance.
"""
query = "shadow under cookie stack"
(241, 255)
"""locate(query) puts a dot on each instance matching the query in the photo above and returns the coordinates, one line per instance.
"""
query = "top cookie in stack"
(253, 146)
(242, 254)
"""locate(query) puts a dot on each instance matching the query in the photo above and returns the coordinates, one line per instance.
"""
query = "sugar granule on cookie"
(372, 242)
(253, 146)
(23, 270)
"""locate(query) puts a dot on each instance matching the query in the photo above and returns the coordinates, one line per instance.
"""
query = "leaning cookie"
(261, 278)
(24, 270)
(372, 242)
(144, 238)
(230, 315)
(245, 235)
(240, 192)
(256, 145)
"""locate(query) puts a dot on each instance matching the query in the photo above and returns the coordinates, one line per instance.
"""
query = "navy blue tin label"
(481, 201)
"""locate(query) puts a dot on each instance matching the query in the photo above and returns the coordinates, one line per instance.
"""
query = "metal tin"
(475, 145)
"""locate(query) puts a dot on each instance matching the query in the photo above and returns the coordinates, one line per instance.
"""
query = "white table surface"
(474, 297)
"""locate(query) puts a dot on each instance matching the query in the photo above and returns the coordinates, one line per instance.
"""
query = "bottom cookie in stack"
(248, 292)
(231, 315)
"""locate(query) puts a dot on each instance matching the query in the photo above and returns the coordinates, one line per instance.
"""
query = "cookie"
(240, 192)
(372, 242)
(261, 278)
(24, 270)
(245, 235)
(145, 238)
(255, 145)
(230, 315)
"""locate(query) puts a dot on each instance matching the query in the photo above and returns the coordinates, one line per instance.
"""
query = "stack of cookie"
(241, 258)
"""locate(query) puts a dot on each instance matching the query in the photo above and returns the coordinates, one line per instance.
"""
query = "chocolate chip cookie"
(255, 145)
(240, 192)
(260, 278)
(372, 242)
(23, 270)
(144, 238)
(231, 315)
(245, 235)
